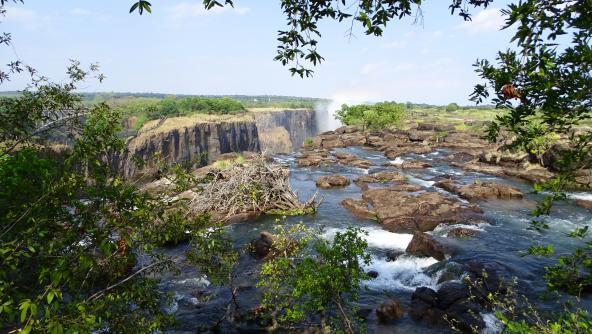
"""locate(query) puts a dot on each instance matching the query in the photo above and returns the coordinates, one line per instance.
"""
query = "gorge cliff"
(199, 139)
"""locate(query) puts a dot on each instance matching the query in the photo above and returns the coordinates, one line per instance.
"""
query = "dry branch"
(254, 186)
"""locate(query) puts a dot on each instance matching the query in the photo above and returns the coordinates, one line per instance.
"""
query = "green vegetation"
(372, 116)
(149, 109)
(77, 228)
(452, 107)
(298, 285)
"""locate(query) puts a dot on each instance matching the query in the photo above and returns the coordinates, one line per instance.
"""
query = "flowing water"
(196, 304)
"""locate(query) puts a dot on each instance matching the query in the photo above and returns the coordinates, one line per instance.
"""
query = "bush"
(452, 107)
(373, 117)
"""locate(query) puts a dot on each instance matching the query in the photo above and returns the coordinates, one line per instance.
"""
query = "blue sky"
(182, 49)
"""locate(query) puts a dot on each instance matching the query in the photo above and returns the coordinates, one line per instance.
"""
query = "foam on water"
(580, 195)
(423, 183)
(397, 161)
(378, 238)
(492, 324)
(406, 273)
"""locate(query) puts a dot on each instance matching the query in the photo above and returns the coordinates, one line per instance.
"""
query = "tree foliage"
(300, 286)
(372, 116)
(545, 85)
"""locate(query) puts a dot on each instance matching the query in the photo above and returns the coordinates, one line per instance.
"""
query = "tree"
(545, 87)
(452, 107)
(373, 117)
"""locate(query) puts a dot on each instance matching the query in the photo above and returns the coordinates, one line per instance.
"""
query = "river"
(198, 305)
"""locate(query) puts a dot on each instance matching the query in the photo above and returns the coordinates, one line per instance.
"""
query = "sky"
(182, 49)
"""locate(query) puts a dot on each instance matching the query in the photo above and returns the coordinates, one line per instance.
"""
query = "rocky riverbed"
(436, 210)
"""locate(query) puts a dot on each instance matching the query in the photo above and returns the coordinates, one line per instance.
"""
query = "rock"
(447, 185)
(345, 156)
(364, 313)
(586, 204)
(393, 254)
(423, 244)
(452, 302)
(332, 181)
(389, 311)
(262, 245)
(487, 190)
(380, 177)
(450, 292)
(415, 165)
(372, 273)
(402, 212)
(427, 126)
(358, 208)
(462, 232)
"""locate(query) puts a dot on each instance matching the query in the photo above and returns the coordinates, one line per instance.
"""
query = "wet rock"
(447, 185)
(380, 177)
(423, 244)
(487, 190)
(402, 212)
(372, 274)
(451, 302)
(313, 159)
(586, 204)
(450, 292)
(261, 246)
(332, 181)
(393, 254)
(462, 232)
(415, 165)
(345, 156)
(358, 208)
(390, 310)
(394, 152)
(364, 313)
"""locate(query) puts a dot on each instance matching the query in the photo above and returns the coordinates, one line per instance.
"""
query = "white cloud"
(437, 33)
(27, 18)
(486, 20)
(186, 9)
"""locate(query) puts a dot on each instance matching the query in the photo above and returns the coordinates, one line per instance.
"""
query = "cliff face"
(284, 131)
(194, 145)
(198, 140)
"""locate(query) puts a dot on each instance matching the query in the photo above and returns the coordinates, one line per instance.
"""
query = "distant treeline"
(145, 109)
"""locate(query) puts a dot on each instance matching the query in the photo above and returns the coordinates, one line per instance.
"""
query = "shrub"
(452, 107)
(373, 117)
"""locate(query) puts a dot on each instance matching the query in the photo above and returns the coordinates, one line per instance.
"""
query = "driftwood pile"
(256, 185)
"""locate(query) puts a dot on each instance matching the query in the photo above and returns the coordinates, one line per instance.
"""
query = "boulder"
(447, 185)
(402, 212)
(393, 254)
(586, 204)
(423, 244)
(450, 292)
(332, 181)
(261, 246)
(451, 302)
(488, 190)
(380, 177)
(462, 232)
(372, 274)
(415, 165)
(390, 310)
(358, 208)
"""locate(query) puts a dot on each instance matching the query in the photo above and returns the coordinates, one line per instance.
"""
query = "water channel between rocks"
(197, 305)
